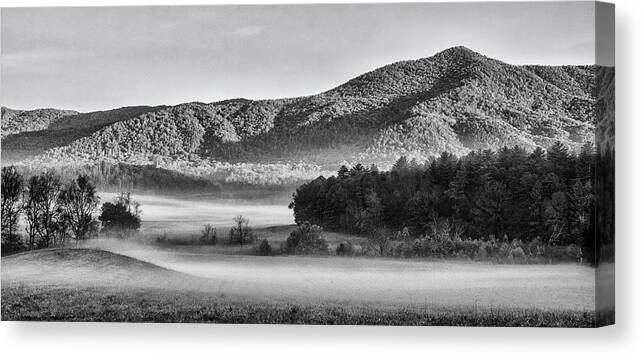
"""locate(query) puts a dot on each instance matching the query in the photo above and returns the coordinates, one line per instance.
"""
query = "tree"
(492, 205)
(306, 239)
(122, 217)
(381, 240)
(47, 189)
(79, 202)
(586, 162)
(343, 172)
(208, 235)
(12, 182)
(265, 248)
(557, 218)
(401, 164)
(31, 198)
(62, 225)
(345, 248)
(370, 219)
(559, 156)
(241, 231)
(580, 205)
(508, 192)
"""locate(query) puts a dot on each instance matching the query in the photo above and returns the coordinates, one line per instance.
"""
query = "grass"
(47, 303)
(97, 285)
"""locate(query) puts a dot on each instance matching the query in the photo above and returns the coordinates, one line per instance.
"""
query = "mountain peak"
(458, 51)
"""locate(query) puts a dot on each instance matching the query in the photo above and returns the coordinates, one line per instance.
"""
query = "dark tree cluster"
(53, 213)
(544, 195)
(120, 218)
(120, 176)
(603, 217)
(306, 239)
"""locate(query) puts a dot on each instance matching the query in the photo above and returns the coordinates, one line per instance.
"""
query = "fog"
(357, 281)
(173, 215)
(392, 282)
(137, 264)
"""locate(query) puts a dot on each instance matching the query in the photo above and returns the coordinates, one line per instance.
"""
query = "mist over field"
(183, 216)
(308, 280)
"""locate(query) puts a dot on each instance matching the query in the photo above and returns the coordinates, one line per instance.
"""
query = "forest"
(508, 195)
(113, 176)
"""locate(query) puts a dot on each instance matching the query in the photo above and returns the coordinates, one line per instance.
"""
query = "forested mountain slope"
(30, 133)
(456, 101)
(17, 121)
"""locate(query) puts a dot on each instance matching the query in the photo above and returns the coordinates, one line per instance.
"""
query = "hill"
(89, 267)
(30, 133)
(81, 260)
(78, 258)
(457, 100)
(17, 121)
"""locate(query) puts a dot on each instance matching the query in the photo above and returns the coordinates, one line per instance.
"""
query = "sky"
(98, 58)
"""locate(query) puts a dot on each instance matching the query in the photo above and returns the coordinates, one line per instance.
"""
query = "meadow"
(97, 285)
(141, 280)
(119, 305)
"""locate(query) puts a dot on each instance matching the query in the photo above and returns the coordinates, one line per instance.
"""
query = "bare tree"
(12, 182)
(208, 235)
(79, 202)
(241, 230)
(30, 198)
(48, 200)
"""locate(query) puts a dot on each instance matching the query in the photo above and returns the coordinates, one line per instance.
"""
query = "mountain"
(17, 121)
(29, 133)
(457, 101)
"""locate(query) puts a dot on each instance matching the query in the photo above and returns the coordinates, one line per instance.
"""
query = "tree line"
(55, 213)
(510, 194)
(115, 176)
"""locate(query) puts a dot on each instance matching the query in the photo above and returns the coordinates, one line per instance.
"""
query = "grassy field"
(183, 280)
(46, 303)
(167, 286)
(379, 281)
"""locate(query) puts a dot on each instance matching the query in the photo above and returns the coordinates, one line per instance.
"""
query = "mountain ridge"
(457, 100)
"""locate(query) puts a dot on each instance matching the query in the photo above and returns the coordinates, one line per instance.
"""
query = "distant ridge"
(457, 100)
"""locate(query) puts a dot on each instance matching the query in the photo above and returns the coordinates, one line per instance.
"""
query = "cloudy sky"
(100, 58)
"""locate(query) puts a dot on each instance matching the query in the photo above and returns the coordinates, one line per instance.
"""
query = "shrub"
(208, 235)
(468, 247)
(162, 239)
(369, 249)
(265, 248)
(120, 218)
(306, 239)
(345, 249)
(241, 233)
